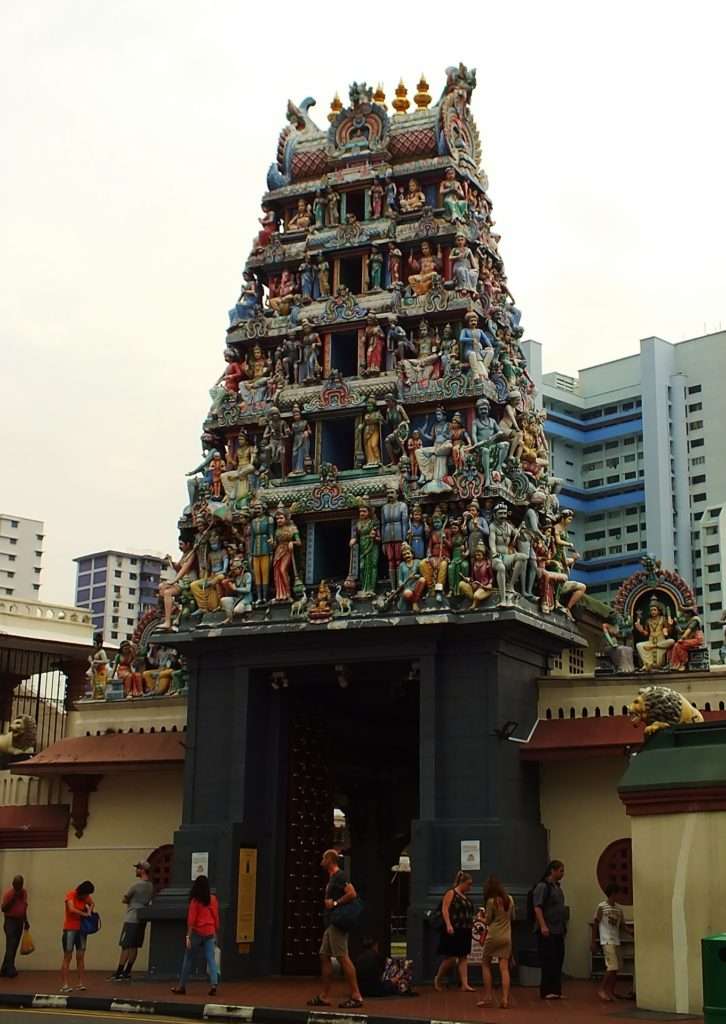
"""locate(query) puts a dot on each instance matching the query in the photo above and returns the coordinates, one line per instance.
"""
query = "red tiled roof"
(28, 827)
(559, 739)
(111, 752)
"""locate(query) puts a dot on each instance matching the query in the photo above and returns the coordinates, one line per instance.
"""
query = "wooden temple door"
(309, 833)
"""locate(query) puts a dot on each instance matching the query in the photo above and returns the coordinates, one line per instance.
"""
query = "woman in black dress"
(457, 912)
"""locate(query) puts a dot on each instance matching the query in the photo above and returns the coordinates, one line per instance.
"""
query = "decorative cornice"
(688, 800)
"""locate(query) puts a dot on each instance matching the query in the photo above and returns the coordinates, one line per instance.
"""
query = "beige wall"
(130, 816)
(582, 813)
(680, 897)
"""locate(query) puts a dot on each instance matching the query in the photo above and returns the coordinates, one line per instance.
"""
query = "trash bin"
(713, 961)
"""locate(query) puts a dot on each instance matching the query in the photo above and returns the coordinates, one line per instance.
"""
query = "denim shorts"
(73, 939)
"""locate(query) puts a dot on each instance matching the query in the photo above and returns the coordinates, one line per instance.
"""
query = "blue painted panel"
(599, 501)
(580, 436)
(605, 574)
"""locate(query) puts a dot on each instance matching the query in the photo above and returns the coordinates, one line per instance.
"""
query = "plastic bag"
(26, 943)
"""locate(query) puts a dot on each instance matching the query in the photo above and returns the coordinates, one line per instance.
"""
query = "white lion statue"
(21, 737)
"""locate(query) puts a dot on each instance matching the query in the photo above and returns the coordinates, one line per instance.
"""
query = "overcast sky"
(137, 136)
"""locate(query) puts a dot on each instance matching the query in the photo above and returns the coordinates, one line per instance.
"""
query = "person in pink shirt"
(202, 928)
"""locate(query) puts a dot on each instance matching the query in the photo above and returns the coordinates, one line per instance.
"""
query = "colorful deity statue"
(320, 208)
(268, 222)
(302, 218)
(411, 584)
(377, 196)
(207, 589)
(375, 346)
(564, 556)
(394, 265)
(370, 434)
(286, 539)
(260, 542)
(124, 669)
(479, 585)
(366, 538)
(236, 481)
(453, 198)
(332, 216)
(248, 303)
(459, 562)
(418, 531)
(394, 530)
(375, 270)
(413, 199)
(508, 564)
(464, 267)
(274, 440)
(309, 371)
(426, 269)
(396, 428)
(658, 628)
(237, 602)
(433, 461)
(185, 571)
(281, 292)
(300, 431)
(97, 673)
(323, 277)
(434, 567)
(476, 346)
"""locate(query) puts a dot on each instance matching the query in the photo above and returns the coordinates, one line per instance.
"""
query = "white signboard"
(200, 865)
(470, 855)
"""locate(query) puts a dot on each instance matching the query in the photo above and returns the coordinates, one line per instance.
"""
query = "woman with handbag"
(202, 928)
(15, 911)
(79, 905)
(457, 912)
(499, 912)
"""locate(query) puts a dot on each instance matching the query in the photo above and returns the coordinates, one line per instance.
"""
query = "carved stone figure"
(274, 438)
(375, 270)
(333, 207)
(237, 602)
(659, 707)
(260, 540)
(300, 431)
(396, 429)
(377, 195)
(394, 530)
(284, 569)
(507, 563)
(206, 590)
(658, 629)
(433, 461)
(247, 304)
(615, 634)
(434, 567)
(479, 585)
(302, 218)
(323, 277)
(394, 265)
(426, 268)
(366, 537)
(411, 584)
(477, 350)
(453, 198)
(464, 267)
(310, 370)
(320, 206)
(21, 736)
(375, 346)
(413, 199)
(370, 430)
(488, 441)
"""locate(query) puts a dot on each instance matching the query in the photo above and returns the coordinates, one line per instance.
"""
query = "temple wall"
(130, 816)
(582, 813)
(680, 897)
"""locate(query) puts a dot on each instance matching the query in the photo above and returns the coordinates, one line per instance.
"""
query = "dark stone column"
(473, 785)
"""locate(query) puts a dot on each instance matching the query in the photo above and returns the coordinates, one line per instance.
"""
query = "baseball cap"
(144, 865)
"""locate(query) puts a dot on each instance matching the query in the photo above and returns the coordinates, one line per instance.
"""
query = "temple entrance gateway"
(358, 751)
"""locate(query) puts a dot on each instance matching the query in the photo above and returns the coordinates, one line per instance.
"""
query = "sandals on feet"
(318, 1001)
(351, 1004)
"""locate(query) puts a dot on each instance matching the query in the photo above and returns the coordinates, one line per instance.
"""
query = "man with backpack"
(548, 905)
(339, 893)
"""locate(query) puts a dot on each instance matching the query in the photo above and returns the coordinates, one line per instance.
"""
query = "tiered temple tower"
(374, 562)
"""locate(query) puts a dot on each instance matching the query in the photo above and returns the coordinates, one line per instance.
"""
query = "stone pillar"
(675, 794)
(473, 785)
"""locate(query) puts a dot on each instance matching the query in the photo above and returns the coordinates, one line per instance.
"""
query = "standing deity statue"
(310, 370)
(394, 530)
(476, 526)
(529, 533)
(236, 481)
(375, 270)
(333, 208)
(434, 567)
(459, 562)
(207, 590)
(320, 206)
(286, 539)
(564, 556)
(394, 264)
(375, 346)
(300, 443)
(453, 198)
(247, 304)
(323, 277)
(366, 537)
(490, 443)
(464, 267)
(370, 434)
(418, 532)
(397, 424)
(377, 195)
(260, 540)
(391, 196)
(411, 584)
(308, 290)
(274, 438)
(268, 222)
(477, 349)
(507, 563)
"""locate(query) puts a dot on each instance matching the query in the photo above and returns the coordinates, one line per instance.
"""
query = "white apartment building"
(21, 552)
(118, 587)
(639, 446)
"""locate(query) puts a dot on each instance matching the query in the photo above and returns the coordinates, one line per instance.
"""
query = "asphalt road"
(16, 1016)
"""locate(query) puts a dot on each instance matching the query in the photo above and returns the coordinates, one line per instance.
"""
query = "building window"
(596, 535)
(699, 460)
(132, 591)
(615, 867)
(699, 497)
(629, 458)
(13, 540)
(614, 479)
(129, 622)
(133, 576)
(14, 524)
(594, 483)
(712, 549)
(696, 407)
(114, 636)
(631, 547)
(714, 512)
(628, 440)
(713, 587)
(131, 607)
(713, 567)
(133, 561)
(698, 443)
(610, 445)
(117, 574)
(577, 661)
(715, 606)
(592, 449)
(630, 475)
(696, 425)
(695, 389)
(36, 586)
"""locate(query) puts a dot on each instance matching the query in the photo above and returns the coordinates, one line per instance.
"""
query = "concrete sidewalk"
(269, 1000)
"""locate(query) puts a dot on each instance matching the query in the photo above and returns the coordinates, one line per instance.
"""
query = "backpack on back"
(530, 900)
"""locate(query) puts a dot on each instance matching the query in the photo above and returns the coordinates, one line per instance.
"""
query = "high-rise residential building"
(21, 552)
(118, 587)
(637, 443)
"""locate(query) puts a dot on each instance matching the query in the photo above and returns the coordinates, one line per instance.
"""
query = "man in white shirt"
(607, 923)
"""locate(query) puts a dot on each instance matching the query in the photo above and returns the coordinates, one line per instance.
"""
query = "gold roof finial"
(401, 104)
(423, 96)
(379, 96)
(335, 107)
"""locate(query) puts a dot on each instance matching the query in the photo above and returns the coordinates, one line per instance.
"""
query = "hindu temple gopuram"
(374, 562)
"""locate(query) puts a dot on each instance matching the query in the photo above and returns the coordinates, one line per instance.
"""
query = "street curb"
(199, 1011)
